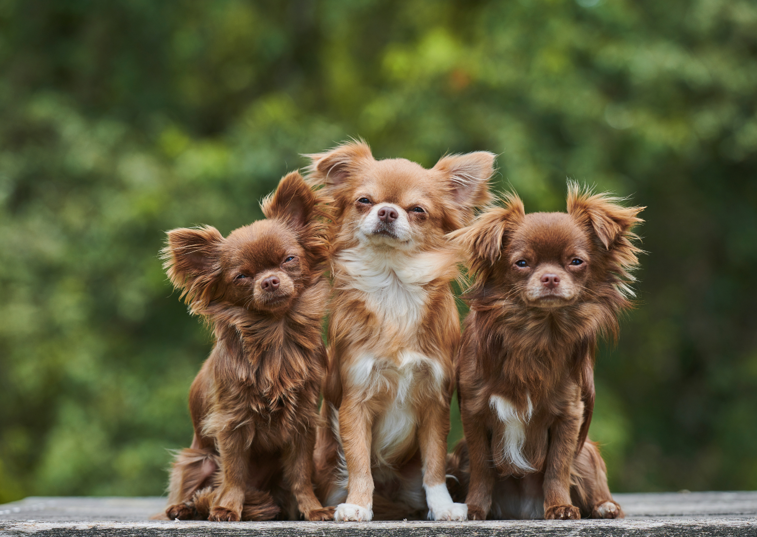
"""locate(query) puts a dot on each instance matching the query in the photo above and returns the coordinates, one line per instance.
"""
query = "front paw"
(221, 514)
(562, 512)
(180, 511)
(608, 509)
(320, 515)
(476, 513)
(456, 512)
(349, 512)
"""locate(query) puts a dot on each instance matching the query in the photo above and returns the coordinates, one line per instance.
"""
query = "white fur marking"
(515, 431)
(393, 281)
(607, 508)
(349, 512)
(441, 506)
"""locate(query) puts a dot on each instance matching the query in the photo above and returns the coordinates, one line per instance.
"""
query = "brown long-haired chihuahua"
(254, 402)
(393, 330)
(546, 286)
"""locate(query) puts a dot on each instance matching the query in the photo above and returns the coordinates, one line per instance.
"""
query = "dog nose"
(550, 281)
(271, 283)
(388, 215)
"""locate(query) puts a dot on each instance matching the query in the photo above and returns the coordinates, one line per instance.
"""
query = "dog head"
(399, 204)
(263, 266)
(553, 260)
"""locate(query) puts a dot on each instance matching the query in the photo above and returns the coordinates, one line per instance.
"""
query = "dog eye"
(521, 263)
(417, 210)
(575, 262)
(240, 277)
(288, 259)
(364, 200)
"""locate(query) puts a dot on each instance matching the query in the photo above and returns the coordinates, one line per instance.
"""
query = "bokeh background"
(122, 119)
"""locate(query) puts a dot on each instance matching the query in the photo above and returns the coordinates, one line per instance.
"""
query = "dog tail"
(458, 472)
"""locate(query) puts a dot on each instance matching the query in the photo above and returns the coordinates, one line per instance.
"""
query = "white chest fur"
(393, 281)
(514, 436)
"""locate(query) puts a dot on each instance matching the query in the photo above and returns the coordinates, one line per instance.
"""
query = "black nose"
(550, 281)
(271, 283)
(388, 215)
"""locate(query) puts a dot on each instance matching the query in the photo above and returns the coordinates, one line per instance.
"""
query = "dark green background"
(121, 119)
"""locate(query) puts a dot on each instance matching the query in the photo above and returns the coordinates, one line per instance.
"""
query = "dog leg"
(355, 425)
(229, 500)
(479, 499)
(560, 455)
(589, 487)
(298, 470)
(191, 471)
(432, 435)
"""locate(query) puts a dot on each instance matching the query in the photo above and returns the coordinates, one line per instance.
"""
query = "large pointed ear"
(468, 177)
(482, 242)
(192, 262)
(332, 169)
(602, 214)
(294, 201)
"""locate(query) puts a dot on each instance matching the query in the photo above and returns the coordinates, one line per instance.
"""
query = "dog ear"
(602, 214)
(332, 168)
(192, 262)
(482, 242)
(468, 177)
(294, 201)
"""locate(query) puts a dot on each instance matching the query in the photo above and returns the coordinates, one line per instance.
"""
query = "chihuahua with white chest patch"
(393, 330)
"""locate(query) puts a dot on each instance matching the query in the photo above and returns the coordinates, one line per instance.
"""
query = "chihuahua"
(254, 403)
(547, 285)
(393, 330)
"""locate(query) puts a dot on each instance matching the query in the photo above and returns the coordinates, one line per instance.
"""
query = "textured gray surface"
(671, 514)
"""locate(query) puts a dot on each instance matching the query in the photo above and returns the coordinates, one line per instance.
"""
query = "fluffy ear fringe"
(191, 260)
(481, 242)
(612, 224)
(331, 169)
(469, 176)
(294, 201)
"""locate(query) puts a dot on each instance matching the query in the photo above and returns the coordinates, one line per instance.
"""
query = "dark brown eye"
(521, 263)
(576, 262)
(417, 210)
(364, 201)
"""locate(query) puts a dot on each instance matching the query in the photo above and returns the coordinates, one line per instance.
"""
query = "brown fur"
(393, 330)
(254, 402)
(527, 354)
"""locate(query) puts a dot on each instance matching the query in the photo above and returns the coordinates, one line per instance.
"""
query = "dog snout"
(387, 215)
(550, 281)
(270, 284)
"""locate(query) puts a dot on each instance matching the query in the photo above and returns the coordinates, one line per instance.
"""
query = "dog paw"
(221, 514)
(562, 512)
(320, 515)
(476, 513)
(456, 512)
(608, 509)
(349, 512)
(180, 511)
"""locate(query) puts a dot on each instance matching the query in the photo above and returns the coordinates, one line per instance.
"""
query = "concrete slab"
(670, 514)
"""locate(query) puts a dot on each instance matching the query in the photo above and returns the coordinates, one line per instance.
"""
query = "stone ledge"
(670, 514)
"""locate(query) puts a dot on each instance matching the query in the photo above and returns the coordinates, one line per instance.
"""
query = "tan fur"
(525, 368)
(254, 402)
(393, 330)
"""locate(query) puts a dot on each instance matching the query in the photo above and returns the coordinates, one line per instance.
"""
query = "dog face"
(396, 203)
(262, 266)
(553, 260)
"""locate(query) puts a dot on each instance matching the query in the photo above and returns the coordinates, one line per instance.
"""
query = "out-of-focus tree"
(122, 119)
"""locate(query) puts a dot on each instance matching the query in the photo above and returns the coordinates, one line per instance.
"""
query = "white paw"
(453, 511)
(607, 510)
(349, 512)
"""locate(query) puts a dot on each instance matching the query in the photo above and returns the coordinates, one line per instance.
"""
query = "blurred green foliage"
(122, 119)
